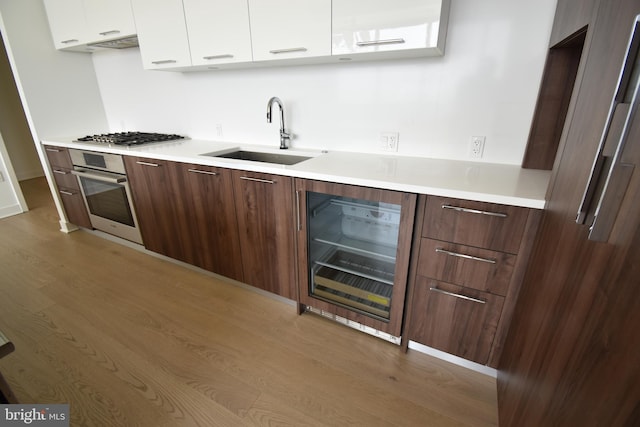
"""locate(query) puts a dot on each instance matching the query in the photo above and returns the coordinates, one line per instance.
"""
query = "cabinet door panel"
(484, 225)
(218, 31)
(109, 19)
(155, 205)
(360, 26)
(283, 29)
(264, 204)
(456, 325)
(207, 219)
(67, 22)
(481, 269)
(162, 33)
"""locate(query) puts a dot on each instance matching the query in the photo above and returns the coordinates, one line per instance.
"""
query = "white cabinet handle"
(53, 150)
(164, 61)
(59, 172)
(266, 181)
(108, 33)
(226, 55)
(464, 297)
(288, 50)
(380, 42)
(474, 211)
(465, 256)
(66, 193)
(202, 172)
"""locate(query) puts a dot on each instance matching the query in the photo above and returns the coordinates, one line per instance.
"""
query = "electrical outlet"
(476, 147)
(389, 141)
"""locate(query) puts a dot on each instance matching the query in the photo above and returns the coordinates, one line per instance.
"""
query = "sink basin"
(258, 156)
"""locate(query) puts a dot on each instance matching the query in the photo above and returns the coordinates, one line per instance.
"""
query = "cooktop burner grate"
(130, 138)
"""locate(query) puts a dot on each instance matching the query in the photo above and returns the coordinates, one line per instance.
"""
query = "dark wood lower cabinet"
(68, 186)
(207, 218)
(264, 204)
(155, 201)
(74, 206)
(455, 319)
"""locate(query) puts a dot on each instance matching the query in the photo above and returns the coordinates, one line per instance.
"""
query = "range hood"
(123, 43)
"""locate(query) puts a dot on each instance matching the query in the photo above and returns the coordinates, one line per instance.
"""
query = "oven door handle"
(104, 176)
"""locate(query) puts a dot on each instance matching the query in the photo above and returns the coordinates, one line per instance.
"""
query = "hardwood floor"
(128, 339)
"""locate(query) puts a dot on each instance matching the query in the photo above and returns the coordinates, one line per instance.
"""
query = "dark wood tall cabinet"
(573, 349)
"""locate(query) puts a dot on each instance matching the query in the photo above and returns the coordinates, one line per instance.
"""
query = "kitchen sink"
(259, 156)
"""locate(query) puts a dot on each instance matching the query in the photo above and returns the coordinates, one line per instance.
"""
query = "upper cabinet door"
(162, 33)
(67, 23)
(285, 29)
(367, 26)
(109, 19)
(218, 31)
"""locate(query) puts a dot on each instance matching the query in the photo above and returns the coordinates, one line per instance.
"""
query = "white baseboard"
(25, 175)
(453, 359)
(10, 211)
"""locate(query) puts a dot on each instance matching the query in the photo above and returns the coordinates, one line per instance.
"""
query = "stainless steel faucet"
(284, 135)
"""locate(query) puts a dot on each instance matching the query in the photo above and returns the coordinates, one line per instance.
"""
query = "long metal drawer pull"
(67, 193)
(155, 165)
(69, 41)
(451, 294)
(202, 172)
(59, 172)
(106, 33)
(226, 55)
(380, 42)
(164, 61)
(475, 211)
(53, 150)
(266, 181)
(289, 50)
(112, 178)
(465, 256)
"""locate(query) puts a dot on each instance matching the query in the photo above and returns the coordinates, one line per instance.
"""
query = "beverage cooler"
(357, 245)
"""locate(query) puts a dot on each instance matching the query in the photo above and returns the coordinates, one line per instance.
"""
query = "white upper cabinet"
(398, 26)
(218, 31)
(67, 23)
(162, 33)
(109, 19)
(285, 29)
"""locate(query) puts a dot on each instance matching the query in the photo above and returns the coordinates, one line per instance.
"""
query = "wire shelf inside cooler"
(355, 281)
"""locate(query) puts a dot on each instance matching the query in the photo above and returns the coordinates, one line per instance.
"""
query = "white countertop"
(484, 182)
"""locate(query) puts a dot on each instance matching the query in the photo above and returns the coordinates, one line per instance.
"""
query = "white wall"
(485, 84)
(13, 125)
(58, 90)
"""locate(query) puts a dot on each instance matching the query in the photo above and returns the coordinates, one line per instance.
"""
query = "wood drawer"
(483, 225)
(58, 156)
(453, 324)
(74, 207)
(65, 179)
(480, 269)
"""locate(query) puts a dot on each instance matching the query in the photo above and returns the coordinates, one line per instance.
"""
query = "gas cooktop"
(130, 138)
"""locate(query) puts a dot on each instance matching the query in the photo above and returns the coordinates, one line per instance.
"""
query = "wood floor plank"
(130, 339)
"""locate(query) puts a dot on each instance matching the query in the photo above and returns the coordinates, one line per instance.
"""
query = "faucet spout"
(284, 135)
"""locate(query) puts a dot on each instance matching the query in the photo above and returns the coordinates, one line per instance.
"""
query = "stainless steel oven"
(103, 181)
